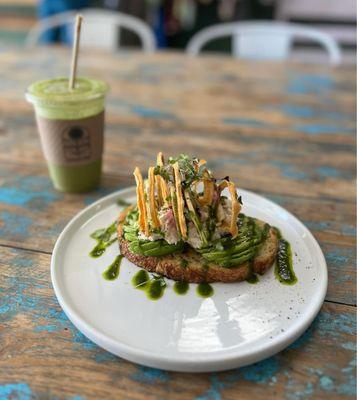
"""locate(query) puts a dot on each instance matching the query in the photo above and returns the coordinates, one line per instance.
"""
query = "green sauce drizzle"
(100, 248)
(104, 234)
(153, 287)
(104, 238)
(204, 290)
(253, 279)
(181, 287)
(112, 272)
(284, 264)
(140, 280)
(123, 203)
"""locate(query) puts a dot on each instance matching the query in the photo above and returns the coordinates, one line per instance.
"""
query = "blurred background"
(175, 22)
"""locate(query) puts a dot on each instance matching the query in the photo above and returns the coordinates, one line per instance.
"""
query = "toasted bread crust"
(191, 267)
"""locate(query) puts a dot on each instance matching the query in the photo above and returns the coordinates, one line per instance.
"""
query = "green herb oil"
(154, 287)
(284, 265)
(112, 272)
(123, 203)
(104, 237)
(181, 287)
(140, 279)
(253, 279)
(204, 290)
(100, 248)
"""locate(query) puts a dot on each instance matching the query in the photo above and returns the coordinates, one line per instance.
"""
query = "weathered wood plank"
(253, 160)
(44, 356)
(310, 103)
(32, 215)
(285, 131)
(261, 123)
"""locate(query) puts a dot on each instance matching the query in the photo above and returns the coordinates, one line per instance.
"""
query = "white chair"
(336, 18)
(264, 40)
(100, 29)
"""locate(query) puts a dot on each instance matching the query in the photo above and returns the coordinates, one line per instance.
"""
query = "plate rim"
(210, 362)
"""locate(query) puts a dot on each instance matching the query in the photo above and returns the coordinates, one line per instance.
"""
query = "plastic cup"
(71, 128)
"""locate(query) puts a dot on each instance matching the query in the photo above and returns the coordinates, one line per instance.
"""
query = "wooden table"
(285, 131)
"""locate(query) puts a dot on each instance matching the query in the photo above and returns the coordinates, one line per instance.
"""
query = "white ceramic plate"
(241, 324)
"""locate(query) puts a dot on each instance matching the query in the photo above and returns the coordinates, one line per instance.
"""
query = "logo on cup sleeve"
(76, 143)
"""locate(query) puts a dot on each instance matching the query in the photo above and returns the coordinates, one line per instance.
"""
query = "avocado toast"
(185, 227)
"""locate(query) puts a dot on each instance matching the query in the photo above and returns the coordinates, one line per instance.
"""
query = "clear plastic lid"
(57, 91)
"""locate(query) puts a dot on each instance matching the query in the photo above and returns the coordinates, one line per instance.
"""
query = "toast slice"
(191, 267)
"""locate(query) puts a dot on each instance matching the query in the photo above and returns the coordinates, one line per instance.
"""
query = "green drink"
(71, 125)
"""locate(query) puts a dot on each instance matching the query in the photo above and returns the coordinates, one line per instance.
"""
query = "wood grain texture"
(40, 346)
(33, 214)
(285, 131)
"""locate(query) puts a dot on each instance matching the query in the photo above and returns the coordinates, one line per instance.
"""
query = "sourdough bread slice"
(191, 267)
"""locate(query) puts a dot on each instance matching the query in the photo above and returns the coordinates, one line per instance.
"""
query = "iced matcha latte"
(70, 124)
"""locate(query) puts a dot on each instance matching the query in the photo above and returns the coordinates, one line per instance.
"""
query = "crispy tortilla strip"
(189, 202)
(180, 202)
(159, 179)
(160, 159)
(208, 190)
(165, 191)
(152, 201)
(162, 185)
(236, 207)
(140, 196)
(160, 200)
(174, 209)
(200, 162)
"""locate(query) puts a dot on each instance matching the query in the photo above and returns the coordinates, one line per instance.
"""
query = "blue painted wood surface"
(285, 131)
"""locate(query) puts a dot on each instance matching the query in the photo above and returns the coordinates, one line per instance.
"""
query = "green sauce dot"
(205, 290)
(253, 278)
(98, 250)
(155, 290)
(112, 272)
(140, 279)
(181, 287)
